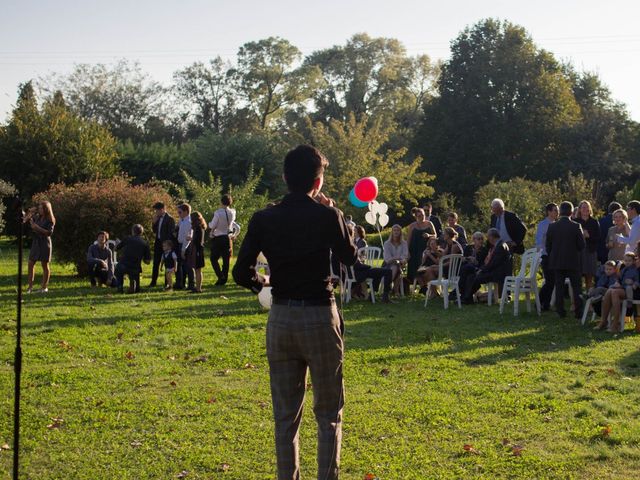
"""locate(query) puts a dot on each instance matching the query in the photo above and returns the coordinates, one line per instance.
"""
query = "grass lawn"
(152, 385)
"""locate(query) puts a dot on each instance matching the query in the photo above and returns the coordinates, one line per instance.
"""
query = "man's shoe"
(385, 298)
(151, 285)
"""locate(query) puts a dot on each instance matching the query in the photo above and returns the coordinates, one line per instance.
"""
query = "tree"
(121, 97)
(356, 149)
(144, 162)
(503, 110)
(230, 157)
(366, 77)
(209, 89)
(268, 80)
(53, 144)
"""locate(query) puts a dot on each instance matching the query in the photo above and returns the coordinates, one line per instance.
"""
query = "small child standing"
(607, 279)
(169, 262)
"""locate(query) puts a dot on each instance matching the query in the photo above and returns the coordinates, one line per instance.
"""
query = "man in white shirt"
(221, 226)
(633, 210)
(184, 234)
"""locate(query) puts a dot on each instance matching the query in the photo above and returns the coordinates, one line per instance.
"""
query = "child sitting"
(629, 275)
(169, 262)
(428, 270)
(607, 279)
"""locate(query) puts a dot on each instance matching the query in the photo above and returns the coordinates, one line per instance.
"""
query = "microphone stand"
(18, 354)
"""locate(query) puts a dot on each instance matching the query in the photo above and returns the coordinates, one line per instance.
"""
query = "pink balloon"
(366, 189)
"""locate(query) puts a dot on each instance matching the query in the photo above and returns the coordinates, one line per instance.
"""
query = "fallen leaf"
(249, 365)
(64, 345)
(384, 372)
(370, 476)
(55, 423)
(223, 467)
(611, 371)
(129, 355)
(136, 443)
(469, 448)
(182, 474)
(263, 404)
(516, 450)
(223, 297)
(212, 400)
(309, 386)
(173, 383)
(606, 430)
(505, 442)
(5, 446)
(201, 359)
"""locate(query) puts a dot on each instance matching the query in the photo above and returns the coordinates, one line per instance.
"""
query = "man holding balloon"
(304, 330)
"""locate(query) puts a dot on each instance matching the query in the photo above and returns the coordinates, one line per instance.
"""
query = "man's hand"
(323, 199)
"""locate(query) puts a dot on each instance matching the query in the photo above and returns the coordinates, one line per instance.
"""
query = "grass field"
(170, 385)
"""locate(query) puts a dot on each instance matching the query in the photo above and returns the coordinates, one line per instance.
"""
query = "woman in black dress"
(42, 222)
(195, 250)
(591, 229)
(417, 234)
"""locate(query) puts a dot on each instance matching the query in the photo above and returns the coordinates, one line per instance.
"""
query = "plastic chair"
(370, 255)
(455, 262)
(350, 281)
(525, 282)
(623, 312)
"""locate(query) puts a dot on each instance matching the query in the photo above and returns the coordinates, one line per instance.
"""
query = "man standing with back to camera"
(304, 330)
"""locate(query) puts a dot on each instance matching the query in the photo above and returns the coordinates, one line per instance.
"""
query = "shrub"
(83, 209)
(6, 189)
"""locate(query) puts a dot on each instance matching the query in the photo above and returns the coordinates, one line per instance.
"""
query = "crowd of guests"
(573, 245)
(178, 250)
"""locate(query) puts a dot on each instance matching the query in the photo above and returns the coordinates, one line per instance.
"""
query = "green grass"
(151, 385)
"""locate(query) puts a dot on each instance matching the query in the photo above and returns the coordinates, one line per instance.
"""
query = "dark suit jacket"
(501, 263)
(515, 228)
(605, 223)
(565, 241)
(167, 229)
(135, 250)
(437, 224)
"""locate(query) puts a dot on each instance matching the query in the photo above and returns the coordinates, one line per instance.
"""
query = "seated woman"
(451, 247)
(430, 258)
(360, 239)
(495, 267)
(620, 227)
(396, 254)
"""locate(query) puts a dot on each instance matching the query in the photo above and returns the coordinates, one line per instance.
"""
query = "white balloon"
(382, 208)
(370, 217)
(264, 297)
(383, 220)
(373, 205)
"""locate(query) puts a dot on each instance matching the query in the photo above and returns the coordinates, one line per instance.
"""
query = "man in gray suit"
(565, 241)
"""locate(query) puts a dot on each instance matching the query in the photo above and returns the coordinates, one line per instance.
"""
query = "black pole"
(18, 355)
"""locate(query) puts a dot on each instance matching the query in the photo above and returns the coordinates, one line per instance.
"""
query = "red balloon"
(366, 189)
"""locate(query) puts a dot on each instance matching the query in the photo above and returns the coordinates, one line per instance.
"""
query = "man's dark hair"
(102, 232)
(549, 207)
(493, 233)
(566, 209)
(226, 200)
(302, 166)
(635, 204)
(613, 206)
(158, 206)
(137, 229)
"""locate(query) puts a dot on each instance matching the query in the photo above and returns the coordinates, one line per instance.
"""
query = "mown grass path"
(158, 384)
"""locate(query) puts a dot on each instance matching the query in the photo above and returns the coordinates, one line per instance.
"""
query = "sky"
(39, 37)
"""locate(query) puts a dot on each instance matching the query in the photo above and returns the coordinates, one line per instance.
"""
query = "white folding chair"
(525, 282)
(588, 305)
(370, 255)
(450, 282)
(350, 281)
(567, 283)
(493, 288)
(623, 311)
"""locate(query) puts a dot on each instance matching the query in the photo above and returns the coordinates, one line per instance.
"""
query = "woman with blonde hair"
(42, 222)
(591, 229)
(396, 254)
(620, 227)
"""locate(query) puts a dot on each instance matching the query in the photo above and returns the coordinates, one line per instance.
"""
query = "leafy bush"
(155, 161)
(83, 209)
(205, 197)
(6, 189)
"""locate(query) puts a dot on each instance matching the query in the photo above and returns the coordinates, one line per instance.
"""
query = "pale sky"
(45, 36)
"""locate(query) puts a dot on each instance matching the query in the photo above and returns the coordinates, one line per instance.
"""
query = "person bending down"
(135, 250)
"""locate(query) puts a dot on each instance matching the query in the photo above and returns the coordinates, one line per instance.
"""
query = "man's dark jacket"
(565, 241)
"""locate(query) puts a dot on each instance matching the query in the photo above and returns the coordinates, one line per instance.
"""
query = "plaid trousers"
(301, 338)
